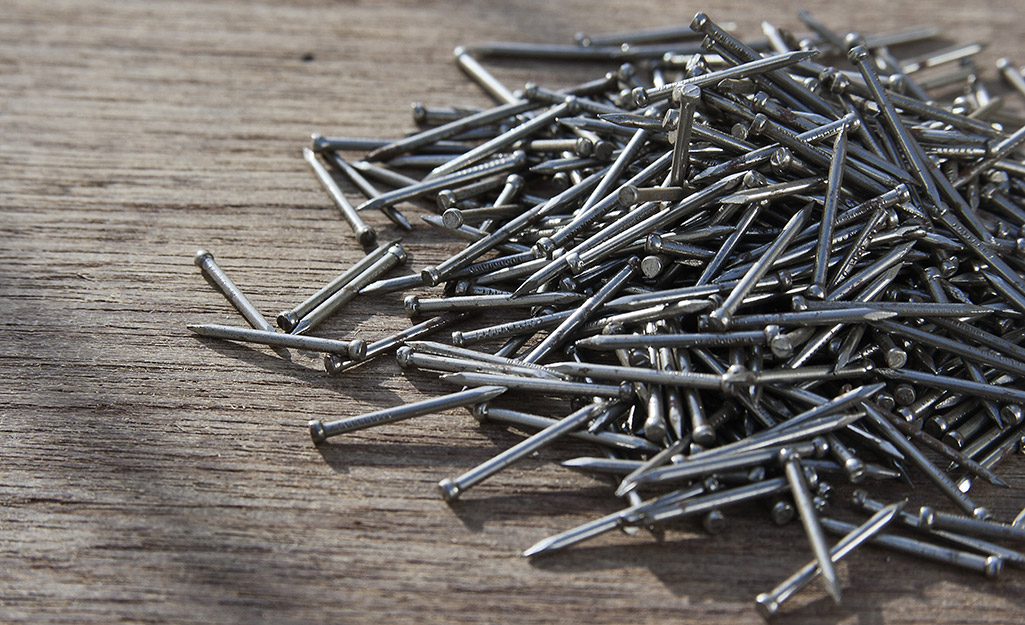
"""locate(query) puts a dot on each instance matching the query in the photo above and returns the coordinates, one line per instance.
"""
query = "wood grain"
(148, 476)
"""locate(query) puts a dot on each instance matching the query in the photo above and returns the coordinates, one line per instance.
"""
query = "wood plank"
(151, 477)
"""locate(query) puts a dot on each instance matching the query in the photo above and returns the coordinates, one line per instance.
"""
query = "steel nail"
(206, 263)
(452, 489)
(322, 431)
(364, 233)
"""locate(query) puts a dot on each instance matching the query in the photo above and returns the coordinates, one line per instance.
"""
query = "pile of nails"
(751, 273)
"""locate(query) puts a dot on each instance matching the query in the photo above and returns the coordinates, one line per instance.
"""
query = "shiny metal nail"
(946, 451)
(322, 431)
(688, 97)
(768, 603)
(944, 483)
(288, 319)
(491, 85)
(416, 305)
(504, 140)
(633, 514)
(923, 521)
(990, 566)
(393, 256)
(407, 356)
(206, 263)
(452, 489)
(542, 386)
(828, 220)
(586, 309)
(809, 518)
(701, 467)
(646, 97)
(364, 233)
(335, 364)
(614, 440)
(720, 317)
(416, 141)
(354, 349)
(432, 275)
(714, 500)
(500, 164)
(368, 189)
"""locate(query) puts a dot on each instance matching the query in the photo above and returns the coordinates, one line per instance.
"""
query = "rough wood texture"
(148, 476)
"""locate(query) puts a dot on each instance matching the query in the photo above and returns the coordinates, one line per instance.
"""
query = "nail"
(809, 518)
(322, 431)
(646, 97)
(468, 233)
(720, 317)
(979, 355)
(436, 116)
(625, 158)
(610, 522)
(656, 244)
(527, 128)
(994, 457)
(762, 125)
(491, 85)
(553, 387)
(364, 233)
(407, 356)
(391, 285)
(827, 36)
(768, 604)
(452, 489)
(448, 198)
(923, 521)
(435, 274)
(416, 305)
(688, 97)
(383, 174)
(440, 349)
(924, 464)
(971, 526)
(498, 165)
(354, 349)
(715, 500)
(604, 466)
(855, 314)
(206, 263)
(335, 364)
(946, 451)
(613, 440)
(654, 35)
(557, 52)
(697, 468)
(513, 328)
(729, 245)
(889, 261)
(586, 309)
(701, 428)
(828, 220)
(416, 141)
(991, 566)
(287, 320)
(587, 217)
(394, 255)
(774, 191)
(368, 189)
(642, 375)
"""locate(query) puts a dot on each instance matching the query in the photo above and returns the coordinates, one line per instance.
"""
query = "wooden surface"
(147, 476)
